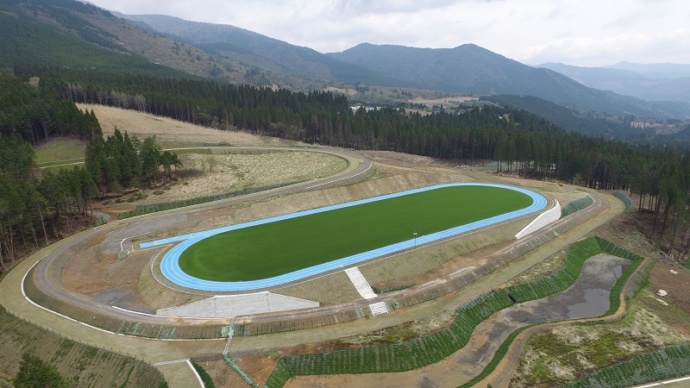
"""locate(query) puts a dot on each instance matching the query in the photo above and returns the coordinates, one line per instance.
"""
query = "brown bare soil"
(106, 278)
(652, 322)
(486, 338)
(674, 308)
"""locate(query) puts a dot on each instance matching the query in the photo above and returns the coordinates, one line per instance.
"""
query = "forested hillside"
(534, 145)
(614, 128)
(38, 207)
(36, 115)
(30, 41)
(76, 35)
(650, 86)
(520, 142)
(473, 70)
(262, 51)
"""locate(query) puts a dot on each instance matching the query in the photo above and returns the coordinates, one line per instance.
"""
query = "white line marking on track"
(659, 383)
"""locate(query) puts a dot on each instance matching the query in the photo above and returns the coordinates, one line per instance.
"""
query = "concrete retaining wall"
(544, 219)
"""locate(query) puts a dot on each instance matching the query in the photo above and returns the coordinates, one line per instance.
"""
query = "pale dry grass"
(169, 132)
(230, 172)
(404, 267)
(639, 332)
(443, 101)
(329, 290)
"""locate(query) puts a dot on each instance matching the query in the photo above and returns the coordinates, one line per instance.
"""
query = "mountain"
(664, 82)
(470, 69)
(467, 69)
(655, 70)
(262, 51)
(53, 33)
(76, 35)
(569, 120)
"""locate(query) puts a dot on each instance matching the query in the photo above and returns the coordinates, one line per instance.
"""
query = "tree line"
(36, 114)
(120, 162)
(517, 141)
(39, 206)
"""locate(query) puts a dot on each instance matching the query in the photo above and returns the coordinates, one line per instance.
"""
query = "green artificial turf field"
(272, 249)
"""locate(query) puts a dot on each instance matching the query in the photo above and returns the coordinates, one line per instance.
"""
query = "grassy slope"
(60, 150)
(276, 248)
(80, 364)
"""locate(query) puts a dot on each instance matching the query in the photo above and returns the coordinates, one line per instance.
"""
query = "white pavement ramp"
(364, 289)
(361, 284)
(226, 306)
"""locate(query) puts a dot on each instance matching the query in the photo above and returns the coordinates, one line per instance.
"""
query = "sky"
(575, 32)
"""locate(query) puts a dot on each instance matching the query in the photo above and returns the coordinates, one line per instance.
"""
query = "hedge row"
(626, 200)
(432, 348)
(391, 289)
(578, 204)
(158, 207)
(400, 357)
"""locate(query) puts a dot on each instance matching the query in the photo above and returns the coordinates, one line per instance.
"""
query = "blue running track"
(172, 271)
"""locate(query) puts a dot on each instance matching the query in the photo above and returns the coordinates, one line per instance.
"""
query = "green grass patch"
(60, 151)
(275, 248)
(665, 363)
(576, 205)
(205, 377)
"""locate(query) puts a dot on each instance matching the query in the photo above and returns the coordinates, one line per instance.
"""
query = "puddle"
(588, 297)
(596, 303)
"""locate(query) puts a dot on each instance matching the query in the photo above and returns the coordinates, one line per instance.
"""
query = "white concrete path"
(226, 306)
(360, 283)
(364, 289)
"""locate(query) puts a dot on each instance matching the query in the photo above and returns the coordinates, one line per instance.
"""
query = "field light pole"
(415, 239)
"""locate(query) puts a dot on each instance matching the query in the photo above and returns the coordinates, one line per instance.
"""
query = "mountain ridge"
(235, 55)
(471, 69)
(651, 86)
(258, 49)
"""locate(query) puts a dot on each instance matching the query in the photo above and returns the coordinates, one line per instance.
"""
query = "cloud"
(592, 32)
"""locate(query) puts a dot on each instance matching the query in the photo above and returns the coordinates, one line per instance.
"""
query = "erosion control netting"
(158, 207)
(578, 204)
(665, 363)
(434, 347)
(626, 200)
